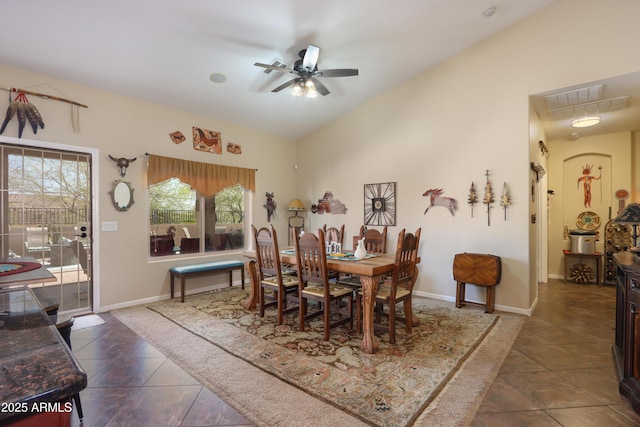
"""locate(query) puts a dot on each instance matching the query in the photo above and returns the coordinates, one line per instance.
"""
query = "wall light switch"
(109, 226)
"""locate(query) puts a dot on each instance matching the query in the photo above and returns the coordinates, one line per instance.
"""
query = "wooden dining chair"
(398, 289)
(333, 234)
(314, 285)
(375, 242)
(270, 275)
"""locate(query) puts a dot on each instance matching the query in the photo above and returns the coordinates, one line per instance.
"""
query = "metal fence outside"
(44, 216)
(177, 216)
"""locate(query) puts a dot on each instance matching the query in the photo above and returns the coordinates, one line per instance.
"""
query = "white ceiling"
(165, 50)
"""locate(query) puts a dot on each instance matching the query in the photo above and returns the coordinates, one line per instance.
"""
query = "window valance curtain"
(206, 178)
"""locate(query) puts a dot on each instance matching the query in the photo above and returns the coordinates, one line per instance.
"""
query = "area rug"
(391, 387)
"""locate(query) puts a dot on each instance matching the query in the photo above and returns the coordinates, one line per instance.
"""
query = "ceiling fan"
(306, 71)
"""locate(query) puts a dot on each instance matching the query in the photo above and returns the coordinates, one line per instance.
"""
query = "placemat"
(348, 256)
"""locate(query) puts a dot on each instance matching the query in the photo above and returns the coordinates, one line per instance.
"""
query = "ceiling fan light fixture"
(310, 89)
(297, 90)
(585, 122)
(306, 71)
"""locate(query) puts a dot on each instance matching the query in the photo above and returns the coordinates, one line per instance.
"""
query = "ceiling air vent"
(574, 97)
(599, 107)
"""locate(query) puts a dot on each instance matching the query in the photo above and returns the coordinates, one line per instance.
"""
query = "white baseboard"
(508, 309)
(420, 294)
(151, 300)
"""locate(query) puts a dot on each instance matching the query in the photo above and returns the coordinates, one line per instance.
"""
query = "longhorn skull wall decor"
(123, 163)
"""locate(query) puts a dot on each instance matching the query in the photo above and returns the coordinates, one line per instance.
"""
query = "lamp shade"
(295, 205)
(629, 215)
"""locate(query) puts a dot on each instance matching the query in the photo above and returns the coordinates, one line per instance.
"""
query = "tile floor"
(559, 373)
(130, 383)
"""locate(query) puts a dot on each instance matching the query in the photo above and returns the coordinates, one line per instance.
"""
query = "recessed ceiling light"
(489, 11)
(218, 78)
(585, 122)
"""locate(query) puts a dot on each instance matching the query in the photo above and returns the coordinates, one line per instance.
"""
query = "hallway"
(560, 371)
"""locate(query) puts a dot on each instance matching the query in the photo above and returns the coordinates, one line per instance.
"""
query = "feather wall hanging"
(27, 111)
(24, 110)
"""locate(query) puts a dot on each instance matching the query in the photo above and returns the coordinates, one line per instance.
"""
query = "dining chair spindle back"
(314, 285)
(398, 289)
(333, 234)
(270, 274)
(375, 242)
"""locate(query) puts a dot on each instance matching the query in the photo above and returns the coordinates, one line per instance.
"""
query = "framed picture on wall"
(380, 204)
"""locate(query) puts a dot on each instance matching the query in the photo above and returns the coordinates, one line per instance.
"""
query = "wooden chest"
(477, 269)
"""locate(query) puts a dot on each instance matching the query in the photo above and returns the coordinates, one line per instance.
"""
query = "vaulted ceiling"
(166, 51)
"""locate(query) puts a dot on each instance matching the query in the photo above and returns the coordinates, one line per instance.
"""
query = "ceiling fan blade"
(310, 59)
(285, 85)
(273, 67)
(338, 72)
(320, 88)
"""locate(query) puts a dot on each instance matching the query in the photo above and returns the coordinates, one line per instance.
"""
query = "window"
(196, 207)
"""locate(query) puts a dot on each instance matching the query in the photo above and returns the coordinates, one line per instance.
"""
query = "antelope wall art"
(436, 199)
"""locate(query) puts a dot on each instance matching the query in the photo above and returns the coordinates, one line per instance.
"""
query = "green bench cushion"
(208, 266)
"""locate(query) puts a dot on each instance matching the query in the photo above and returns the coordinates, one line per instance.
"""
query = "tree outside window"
(182, 221)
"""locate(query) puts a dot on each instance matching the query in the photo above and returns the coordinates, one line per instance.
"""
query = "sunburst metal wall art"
(380, 204)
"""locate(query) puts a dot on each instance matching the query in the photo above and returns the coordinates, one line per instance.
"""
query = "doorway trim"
(95, 235)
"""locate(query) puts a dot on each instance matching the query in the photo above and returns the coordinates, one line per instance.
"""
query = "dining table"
(370, 270)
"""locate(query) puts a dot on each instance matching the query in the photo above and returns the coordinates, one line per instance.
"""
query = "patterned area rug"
(388, 388)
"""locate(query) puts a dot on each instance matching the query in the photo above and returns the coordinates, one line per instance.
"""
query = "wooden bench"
(477, 269)
(204, 269)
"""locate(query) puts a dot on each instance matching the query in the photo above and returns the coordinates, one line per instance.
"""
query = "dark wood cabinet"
(626, 349)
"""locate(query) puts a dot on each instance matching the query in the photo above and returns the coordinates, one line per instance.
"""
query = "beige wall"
(127, 127)
(445, 127)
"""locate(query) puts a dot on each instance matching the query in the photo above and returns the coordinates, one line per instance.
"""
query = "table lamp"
(630, 215)
(295, 222)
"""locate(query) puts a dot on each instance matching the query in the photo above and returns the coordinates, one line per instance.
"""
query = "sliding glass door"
(46, 215)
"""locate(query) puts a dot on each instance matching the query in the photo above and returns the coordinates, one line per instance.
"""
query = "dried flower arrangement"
(505, 199)
(473, 197)
(488, 198)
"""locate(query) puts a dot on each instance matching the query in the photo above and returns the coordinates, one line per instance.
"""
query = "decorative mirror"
(122, 195)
